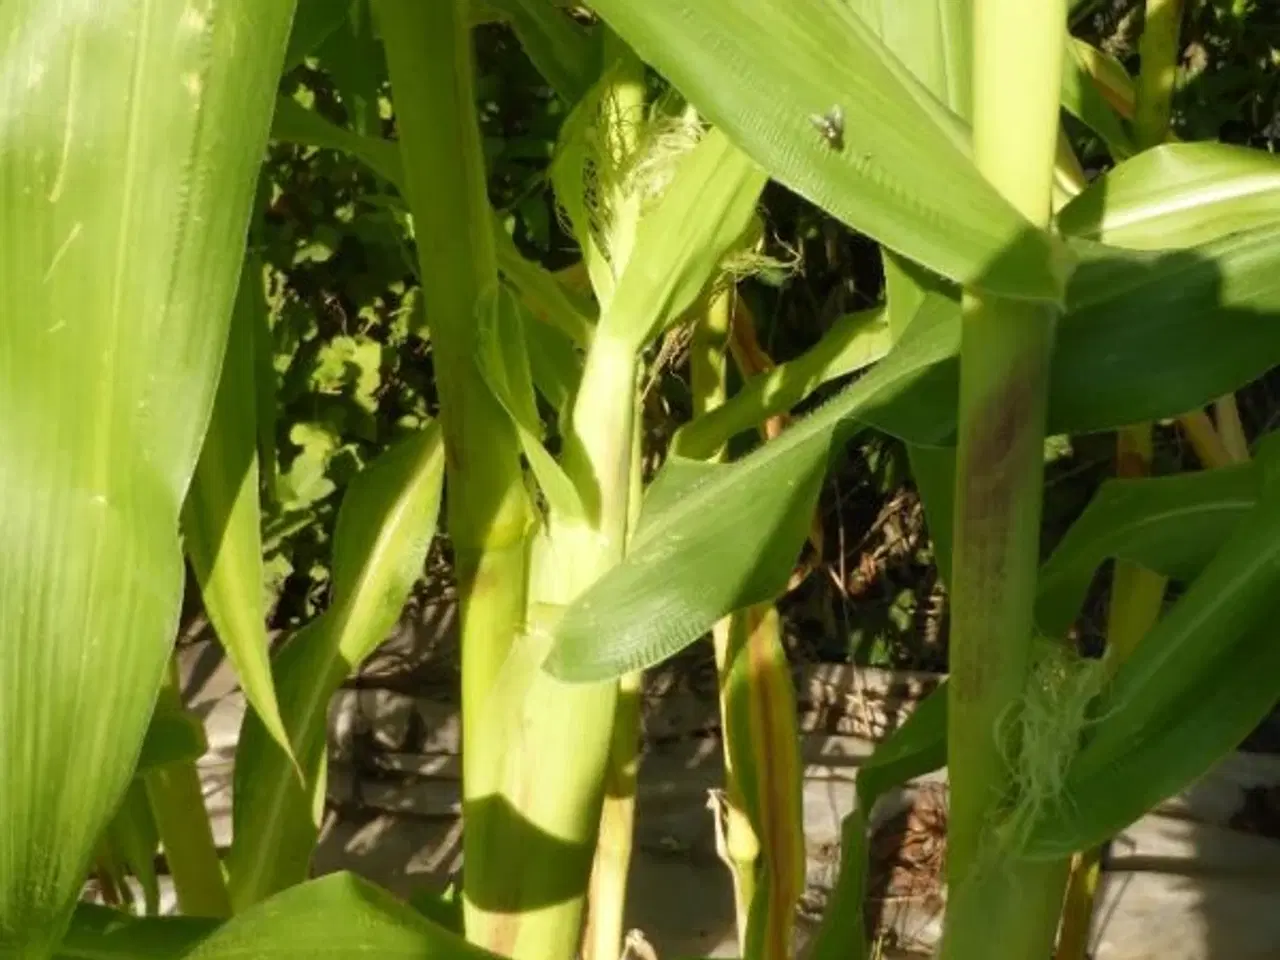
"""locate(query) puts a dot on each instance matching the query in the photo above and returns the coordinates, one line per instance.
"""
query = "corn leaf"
(899, 171)
(314, 22)
(1171, 525)
(545, 297)
(1107, 74)
(1195, 686)
(130, 138)
(933, 39)
(337, 916)
(680, 242)
(294, 123)
(762, 744)
(853, 343)
(502, 357)
(1085, 100)
(1178, 195)
(743, 523)
(565, 53)
(221, 520)
(385, 525)
(1150, 335)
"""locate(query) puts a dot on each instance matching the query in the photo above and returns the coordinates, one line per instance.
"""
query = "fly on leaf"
(831, 126)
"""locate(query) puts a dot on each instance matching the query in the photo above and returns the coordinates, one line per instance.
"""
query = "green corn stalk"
(1004, 361)
(177, 803)
(428, 48)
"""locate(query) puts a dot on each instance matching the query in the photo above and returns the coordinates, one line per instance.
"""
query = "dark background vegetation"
(353, 362)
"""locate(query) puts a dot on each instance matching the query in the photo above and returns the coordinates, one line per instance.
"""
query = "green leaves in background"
(761, 70)
(1194, 687)
(385, 526)
(129, 149)
(221, 520)
(1171, 525)
(337, 916)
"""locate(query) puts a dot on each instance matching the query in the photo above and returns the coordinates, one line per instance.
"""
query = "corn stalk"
(1004, 361)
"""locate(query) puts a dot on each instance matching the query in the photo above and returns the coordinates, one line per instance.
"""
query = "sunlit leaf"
(1087, 102)
(337, 916)
(385, 525)
(221, 520)
(1178, 195)
(130, 139)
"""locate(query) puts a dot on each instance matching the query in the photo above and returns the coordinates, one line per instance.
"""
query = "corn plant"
(1021, 302)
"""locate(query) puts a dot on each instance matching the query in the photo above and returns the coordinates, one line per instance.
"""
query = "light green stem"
(177, 803)
(429, 57)
(1001, 908)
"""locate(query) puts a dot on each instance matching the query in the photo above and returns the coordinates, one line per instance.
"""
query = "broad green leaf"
(1108, 75)
(294, 123)
(680, 242)
(1178, 195)
(1084, 99)
(556, 366)
(1150, 335)
(314, 22)
(221, 520)
(564, 52)
(1200, 680)
(545, 297)
(337, 916)
(900, 173)
(130, 139)
(714, 538)
(933, 39)
(1146, 335)
(502, 358)
(854, 342)
(385, 525)
(1171, 525)
(917, 747)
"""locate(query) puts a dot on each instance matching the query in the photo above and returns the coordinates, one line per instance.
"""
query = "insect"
(831, 126)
